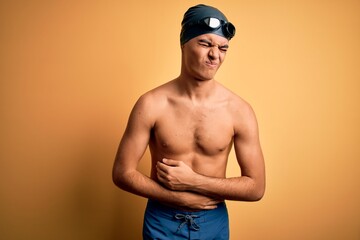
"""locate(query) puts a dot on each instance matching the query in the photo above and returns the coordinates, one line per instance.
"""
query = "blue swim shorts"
(165, 223)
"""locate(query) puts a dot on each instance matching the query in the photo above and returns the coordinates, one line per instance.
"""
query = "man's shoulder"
(240, 109)
(156, 97)
(161, 91)
(234, 100)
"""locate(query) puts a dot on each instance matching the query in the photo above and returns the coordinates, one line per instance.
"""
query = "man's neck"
(196, 90)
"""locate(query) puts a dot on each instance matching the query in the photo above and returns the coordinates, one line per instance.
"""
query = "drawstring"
(187, 219)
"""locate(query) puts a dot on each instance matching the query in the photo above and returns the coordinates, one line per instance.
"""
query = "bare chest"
(182, 130)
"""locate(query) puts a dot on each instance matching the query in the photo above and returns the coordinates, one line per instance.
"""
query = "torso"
(200, 135)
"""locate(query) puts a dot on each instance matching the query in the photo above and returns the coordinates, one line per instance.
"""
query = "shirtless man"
(190, 125)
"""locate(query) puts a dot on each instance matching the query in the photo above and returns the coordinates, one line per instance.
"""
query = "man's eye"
(205, 44)
(223, 49)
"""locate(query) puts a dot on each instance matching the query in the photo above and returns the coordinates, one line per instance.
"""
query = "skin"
(190, 125)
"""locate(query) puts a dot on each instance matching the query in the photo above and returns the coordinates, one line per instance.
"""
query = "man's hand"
(179, 177)
(195, 201)
(175, 174)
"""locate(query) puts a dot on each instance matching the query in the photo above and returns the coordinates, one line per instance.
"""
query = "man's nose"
(214, 53)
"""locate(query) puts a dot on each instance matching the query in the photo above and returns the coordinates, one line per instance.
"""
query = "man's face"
(203, 55)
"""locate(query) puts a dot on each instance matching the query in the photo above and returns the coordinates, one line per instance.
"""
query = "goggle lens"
(214, 23)
(229, 30)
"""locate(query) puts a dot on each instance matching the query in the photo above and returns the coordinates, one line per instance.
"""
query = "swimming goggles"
(214, 24)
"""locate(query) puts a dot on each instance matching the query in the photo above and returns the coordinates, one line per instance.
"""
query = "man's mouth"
(211, 64)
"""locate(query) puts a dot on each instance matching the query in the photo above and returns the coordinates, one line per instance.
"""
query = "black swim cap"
(197, 21)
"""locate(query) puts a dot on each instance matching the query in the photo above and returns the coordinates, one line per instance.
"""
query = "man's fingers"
(161, 174)
(162, 167)
(209, 207)
(166, 164)
(162, 171)
(170, 162)
(212, 204)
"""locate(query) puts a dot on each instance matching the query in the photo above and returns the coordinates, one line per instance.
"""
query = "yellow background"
(70, 72)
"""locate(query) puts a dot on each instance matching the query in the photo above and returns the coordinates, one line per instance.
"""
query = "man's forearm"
(237, 188)
(139, 184)
(177, 176)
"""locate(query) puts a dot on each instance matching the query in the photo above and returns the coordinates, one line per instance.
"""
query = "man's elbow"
(119, 178)
(257, 192)
(116, 179)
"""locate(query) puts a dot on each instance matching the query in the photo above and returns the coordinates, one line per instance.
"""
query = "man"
(190, 125)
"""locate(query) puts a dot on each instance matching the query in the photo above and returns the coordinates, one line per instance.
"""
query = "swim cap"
(201, 19)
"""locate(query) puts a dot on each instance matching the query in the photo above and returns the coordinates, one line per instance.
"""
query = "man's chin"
(203, 79)
(206, 77)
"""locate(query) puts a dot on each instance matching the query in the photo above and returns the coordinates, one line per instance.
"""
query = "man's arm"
(250, 186)
(131, 149)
